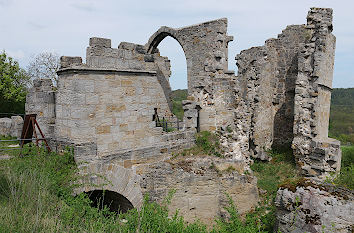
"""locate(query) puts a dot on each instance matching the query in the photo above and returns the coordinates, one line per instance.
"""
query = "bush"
(209, 143)
(234, 224)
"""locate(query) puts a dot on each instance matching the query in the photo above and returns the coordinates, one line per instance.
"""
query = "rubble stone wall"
(41, 100)
(315, 153)
(11, 126)
(201, 188)
(267, 84)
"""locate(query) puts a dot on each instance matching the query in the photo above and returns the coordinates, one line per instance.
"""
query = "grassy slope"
(36, 196)
(177, 96)
(342, 115)
(341, 124)
(282, 169)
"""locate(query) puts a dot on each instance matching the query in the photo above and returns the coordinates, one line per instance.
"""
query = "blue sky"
(28, 27)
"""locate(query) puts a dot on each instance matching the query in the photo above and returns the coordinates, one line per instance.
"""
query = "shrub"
(234, 224)
(209, 143)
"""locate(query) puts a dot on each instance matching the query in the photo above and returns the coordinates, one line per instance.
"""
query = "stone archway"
(114, 201)
(122, 184)
(158, 36)
(204, 46)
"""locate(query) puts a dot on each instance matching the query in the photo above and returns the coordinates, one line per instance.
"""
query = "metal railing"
(167, 125)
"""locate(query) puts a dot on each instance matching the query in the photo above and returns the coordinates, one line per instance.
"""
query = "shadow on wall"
(113, 200)
(284, 117)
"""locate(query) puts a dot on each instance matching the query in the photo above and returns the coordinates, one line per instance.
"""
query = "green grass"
(36, 196)
(270, 175)
(207, 143)
(346, 176)
(10, 151)
(177, 96)
(341, 123)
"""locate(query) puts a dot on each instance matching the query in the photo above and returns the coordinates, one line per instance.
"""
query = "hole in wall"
(178, 80)
(169, 47)
(113, 200)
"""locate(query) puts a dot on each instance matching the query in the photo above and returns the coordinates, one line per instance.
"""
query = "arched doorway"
(113, 200)
(171, 45)
(170, 48)
(178, 83)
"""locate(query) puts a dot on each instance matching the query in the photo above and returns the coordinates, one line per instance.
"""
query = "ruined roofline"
(195, 25)
(200, 24)
(85, 69)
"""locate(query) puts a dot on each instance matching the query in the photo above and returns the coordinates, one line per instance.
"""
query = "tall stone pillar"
(315, 153)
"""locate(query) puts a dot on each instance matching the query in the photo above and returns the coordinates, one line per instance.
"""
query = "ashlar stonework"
(106, 109)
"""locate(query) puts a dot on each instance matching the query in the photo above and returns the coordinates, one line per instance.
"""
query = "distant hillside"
(341, 122)
(343, 96)
(177, 96)
(341, 116)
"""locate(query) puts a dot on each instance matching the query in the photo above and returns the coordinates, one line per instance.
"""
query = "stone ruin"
(280, 97)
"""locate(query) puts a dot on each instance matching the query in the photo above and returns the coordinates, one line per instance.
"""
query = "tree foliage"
(44, 66)
(13, 83)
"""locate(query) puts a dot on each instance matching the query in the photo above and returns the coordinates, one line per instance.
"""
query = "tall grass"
(346, 176)
(36, 196)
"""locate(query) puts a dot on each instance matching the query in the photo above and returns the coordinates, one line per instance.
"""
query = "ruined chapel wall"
(41, 100)
(129, 56)
(266, 83)
(113, 110)
(206, 49)
(105, 108)
(315, 153)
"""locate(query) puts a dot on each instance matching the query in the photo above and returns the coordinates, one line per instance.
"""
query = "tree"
(44, 65)
(13, 83)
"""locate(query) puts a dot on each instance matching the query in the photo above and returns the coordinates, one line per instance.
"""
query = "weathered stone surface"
(315, 208)
(40, 100)
(16, 126)
(98, 176)
(201, 185)
(267, 84)
(5, 126)
(11, 126)
(315, 153)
